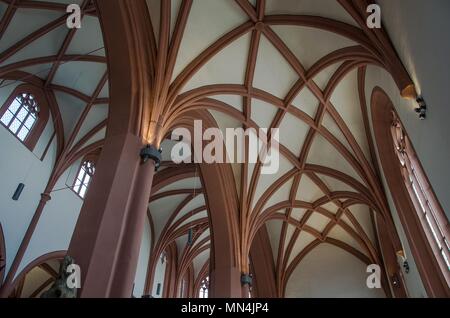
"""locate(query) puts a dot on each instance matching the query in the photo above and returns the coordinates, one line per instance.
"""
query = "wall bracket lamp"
(422, 109)
(246, 279)
(403, 260)
(190, 236)
(406, 266)
(150, 152)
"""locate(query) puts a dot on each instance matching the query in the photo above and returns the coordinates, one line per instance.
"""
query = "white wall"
(419, 30)
(328, 271)
(20, 165)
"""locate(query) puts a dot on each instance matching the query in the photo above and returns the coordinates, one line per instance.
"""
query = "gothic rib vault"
(295, 65)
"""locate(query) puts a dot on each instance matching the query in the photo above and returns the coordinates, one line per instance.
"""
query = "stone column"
(225, 282)
(108, 234)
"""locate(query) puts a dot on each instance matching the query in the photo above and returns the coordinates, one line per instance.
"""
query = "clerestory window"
(84, 178)
(21, 115)
(431, 215)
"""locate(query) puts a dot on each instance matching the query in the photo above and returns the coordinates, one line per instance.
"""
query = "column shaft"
(108, 234)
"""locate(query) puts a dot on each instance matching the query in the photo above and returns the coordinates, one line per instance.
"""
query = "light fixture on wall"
(151, 152)
(395, 281)
(18, 192)
(402, 259)
(422, 109)
(190, 236)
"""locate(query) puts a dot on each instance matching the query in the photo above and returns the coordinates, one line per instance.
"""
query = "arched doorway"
(38, 276)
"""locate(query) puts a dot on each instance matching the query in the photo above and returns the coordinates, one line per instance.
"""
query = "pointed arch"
(430, 271)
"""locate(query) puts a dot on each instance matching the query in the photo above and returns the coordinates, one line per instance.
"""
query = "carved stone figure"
(60, 289)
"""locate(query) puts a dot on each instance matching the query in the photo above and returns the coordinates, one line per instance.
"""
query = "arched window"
(430, 213)
(424, 222)
(21, 115)
(25, 114)
(204, 288)
(84, 177)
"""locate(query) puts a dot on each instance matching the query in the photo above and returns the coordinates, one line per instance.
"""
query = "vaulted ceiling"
(293, 65)
(296, 65)
(178, 217)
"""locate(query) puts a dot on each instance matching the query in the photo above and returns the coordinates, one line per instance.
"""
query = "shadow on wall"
(328, 271)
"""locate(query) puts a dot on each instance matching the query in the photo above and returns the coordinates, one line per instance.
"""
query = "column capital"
(45, 197)
(153, 153)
